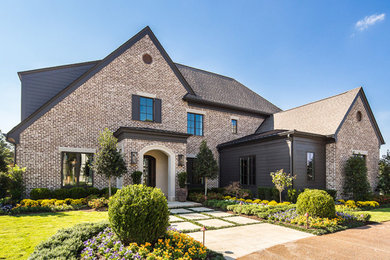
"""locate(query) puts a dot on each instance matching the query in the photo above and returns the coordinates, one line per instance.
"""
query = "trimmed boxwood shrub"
(67, 243)
(77, 193)
(93, 191)
(268, 193)
(61, 194)
(318, 203)
(104, 192)
(40, 194)
(138, 213)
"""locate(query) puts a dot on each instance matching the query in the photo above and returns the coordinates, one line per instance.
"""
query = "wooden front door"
(150, 170)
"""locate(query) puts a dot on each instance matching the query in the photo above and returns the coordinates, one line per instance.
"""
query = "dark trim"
(369, 112)
(22, 73)
(198, 100)
(15, 132)
(195, 123)
(150, 134)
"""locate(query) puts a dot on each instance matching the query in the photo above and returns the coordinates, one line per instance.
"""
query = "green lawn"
(379, 215)
(20, 234)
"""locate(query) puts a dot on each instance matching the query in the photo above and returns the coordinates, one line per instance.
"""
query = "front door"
(150, 170)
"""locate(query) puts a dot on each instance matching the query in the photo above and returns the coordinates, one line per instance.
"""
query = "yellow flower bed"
(363, 204)
(258, 201)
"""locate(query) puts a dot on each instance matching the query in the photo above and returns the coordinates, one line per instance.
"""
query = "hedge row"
(67, 243)
(73, 193)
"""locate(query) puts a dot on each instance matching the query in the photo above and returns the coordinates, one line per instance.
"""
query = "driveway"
(367, 242)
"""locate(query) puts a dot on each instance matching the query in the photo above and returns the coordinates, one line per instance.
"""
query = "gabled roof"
(48, 86)
(14, 133)
(323, 117)
(218, 89)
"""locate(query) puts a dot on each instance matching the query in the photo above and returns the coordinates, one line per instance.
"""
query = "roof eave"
(198, 100)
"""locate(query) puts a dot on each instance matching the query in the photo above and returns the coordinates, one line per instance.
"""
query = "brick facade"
(105, 101)
(353, 136)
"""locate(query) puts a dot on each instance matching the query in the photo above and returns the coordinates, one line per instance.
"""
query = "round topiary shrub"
(318, 203)
(138, 213)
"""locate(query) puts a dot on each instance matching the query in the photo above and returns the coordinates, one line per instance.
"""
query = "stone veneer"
(352, 136)
(105, 101)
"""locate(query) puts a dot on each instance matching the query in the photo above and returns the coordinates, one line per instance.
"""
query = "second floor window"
(195, 124)
(146, 109)
(310, 166)
(234, 126)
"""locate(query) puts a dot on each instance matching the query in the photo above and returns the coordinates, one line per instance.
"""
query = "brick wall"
(353, 135)
(105, 101)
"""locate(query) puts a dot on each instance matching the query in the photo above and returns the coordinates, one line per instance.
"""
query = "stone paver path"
(180, 210)
(201, 209)
(193, 216)
(215, 223)
(243, 220)
(174, 219)
(185, 226)
(219, 214)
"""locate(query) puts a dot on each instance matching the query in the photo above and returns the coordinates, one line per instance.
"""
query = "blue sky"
(290, 52)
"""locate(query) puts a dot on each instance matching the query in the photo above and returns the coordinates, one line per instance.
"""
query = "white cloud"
(367, 21)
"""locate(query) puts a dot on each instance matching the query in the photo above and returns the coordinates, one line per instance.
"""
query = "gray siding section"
(270, 156)
(39, 87)
(301, 147)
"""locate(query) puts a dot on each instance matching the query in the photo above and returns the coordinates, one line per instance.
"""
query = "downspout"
(291, 152)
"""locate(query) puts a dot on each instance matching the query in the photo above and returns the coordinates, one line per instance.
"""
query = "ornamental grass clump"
(139, 214)
(317, 203)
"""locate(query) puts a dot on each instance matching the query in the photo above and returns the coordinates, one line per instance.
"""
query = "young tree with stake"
(206, 166)
(281, 180)
(108, 160)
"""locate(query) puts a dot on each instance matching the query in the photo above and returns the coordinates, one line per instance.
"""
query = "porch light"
(180, 161)
(133, 159)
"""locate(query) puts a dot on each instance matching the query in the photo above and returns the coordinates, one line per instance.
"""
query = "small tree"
(6, 154)
(206, 166)
(282, 180)
(384, 174)
(356, 182)
(108, 160)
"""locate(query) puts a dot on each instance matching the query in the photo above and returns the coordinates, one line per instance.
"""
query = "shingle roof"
(321, 117)
(224, 90)
(253, 137)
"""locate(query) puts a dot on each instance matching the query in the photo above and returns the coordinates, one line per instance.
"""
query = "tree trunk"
(109, 187)
(205, 186)
(280, 196)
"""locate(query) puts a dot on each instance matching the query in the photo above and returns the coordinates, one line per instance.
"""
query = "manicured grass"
(379, 215)
(20, 234)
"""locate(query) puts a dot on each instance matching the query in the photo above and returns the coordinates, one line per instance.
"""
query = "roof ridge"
(58, 67)
(320, 100)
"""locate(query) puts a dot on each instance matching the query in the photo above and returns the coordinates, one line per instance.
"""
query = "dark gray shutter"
(157, 110)
(135, 107)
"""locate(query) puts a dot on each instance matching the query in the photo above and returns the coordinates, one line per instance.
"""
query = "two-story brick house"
(160, 111)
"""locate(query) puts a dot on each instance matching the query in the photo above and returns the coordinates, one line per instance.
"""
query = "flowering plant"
(173, 246)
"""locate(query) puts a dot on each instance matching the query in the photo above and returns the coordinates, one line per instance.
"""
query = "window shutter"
(157, 110)
(135, 107)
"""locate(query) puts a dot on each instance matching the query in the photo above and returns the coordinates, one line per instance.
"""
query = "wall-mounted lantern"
(180, 160)
(133, 159)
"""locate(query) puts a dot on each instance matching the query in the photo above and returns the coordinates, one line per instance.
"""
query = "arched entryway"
(158, 165)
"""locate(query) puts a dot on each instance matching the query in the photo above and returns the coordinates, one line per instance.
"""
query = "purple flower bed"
(284, 216)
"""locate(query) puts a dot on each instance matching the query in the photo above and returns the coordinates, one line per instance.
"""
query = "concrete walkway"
(367, 242)
(178, 204)
(242, 240)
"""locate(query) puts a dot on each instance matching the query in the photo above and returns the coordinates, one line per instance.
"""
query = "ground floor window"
(77, 169)
(310, 166)
(247, 170)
